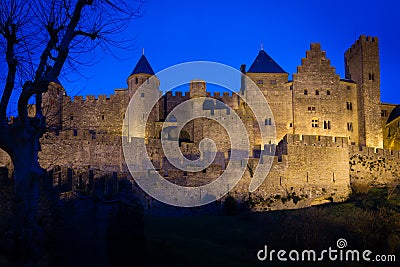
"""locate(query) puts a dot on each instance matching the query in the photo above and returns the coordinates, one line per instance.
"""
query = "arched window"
(305, 92)
(328, 92)
(316, 92)
(136, 80)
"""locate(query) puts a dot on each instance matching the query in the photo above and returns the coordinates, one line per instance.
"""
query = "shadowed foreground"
(99, 231)
(367, 221)
(76, 230)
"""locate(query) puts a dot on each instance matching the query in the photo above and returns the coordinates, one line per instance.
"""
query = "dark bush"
(230, 206)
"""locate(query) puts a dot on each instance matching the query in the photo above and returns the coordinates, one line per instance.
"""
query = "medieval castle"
(331, 133)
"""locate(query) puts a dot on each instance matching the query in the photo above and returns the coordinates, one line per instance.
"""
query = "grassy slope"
(367, 221)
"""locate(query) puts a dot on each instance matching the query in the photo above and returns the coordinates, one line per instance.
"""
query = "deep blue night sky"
(230, 32)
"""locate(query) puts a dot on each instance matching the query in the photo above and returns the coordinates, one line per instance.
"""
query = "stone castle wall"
(308, 170)
(103, 114)
(81, 149)
(5, 160)
(374, 167)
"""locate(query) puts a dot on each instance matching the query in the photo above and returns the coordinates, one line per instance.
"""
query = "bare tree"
(39, 41)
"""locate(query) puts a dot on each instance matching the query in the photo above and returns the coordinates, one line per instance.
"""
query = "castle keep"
(331, 132)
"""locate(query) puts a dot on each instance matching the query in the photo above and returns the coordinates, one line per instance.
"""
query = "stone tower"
(52, 105)
(197, 88)
(362, 66)
(273, 82)
(145, 108)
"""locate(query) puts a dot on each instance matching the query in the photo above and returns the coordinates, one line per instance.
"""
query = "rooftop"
(143, 66)
(394, 114)
(265, 64)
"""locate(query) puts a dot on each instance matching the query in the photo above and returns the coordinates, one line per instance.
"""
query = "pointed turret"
(143, 67)
(144, 97)
(140, 74)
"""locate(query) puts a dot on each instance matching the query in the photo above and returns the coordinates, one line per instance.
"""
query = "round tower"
(143, 81)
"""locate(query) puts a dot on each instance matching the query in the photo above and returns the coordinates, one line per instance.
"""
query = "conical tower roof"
(143, 66)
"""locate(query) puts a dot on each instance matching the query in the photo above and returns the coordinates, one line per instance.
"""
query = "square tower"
(197, 88)
(362, 66)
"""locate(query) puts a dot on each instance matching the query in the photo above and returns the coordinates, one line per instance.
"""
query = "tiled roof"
(394, 114)
(348, 80)
(143, 66)
(265, 64)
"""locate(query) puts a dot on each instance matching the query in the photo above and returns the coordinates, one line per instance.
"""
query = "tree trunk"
(26, 230)
(26, 186)
(27, 234)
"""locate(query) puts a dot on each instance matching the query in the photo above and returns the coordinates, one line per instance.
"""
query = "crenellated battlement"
(74, 105)
(186, 94)
(172, 99)
(375, 152)
(81, 99)
(170, 94)
(315, 140)
(357, 45)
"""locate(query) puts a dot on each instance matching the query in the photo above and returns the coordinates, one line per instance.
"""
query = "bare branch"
(9, 33)
(50, 33)
(10, 82)
(68, 37)
(92, 36)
